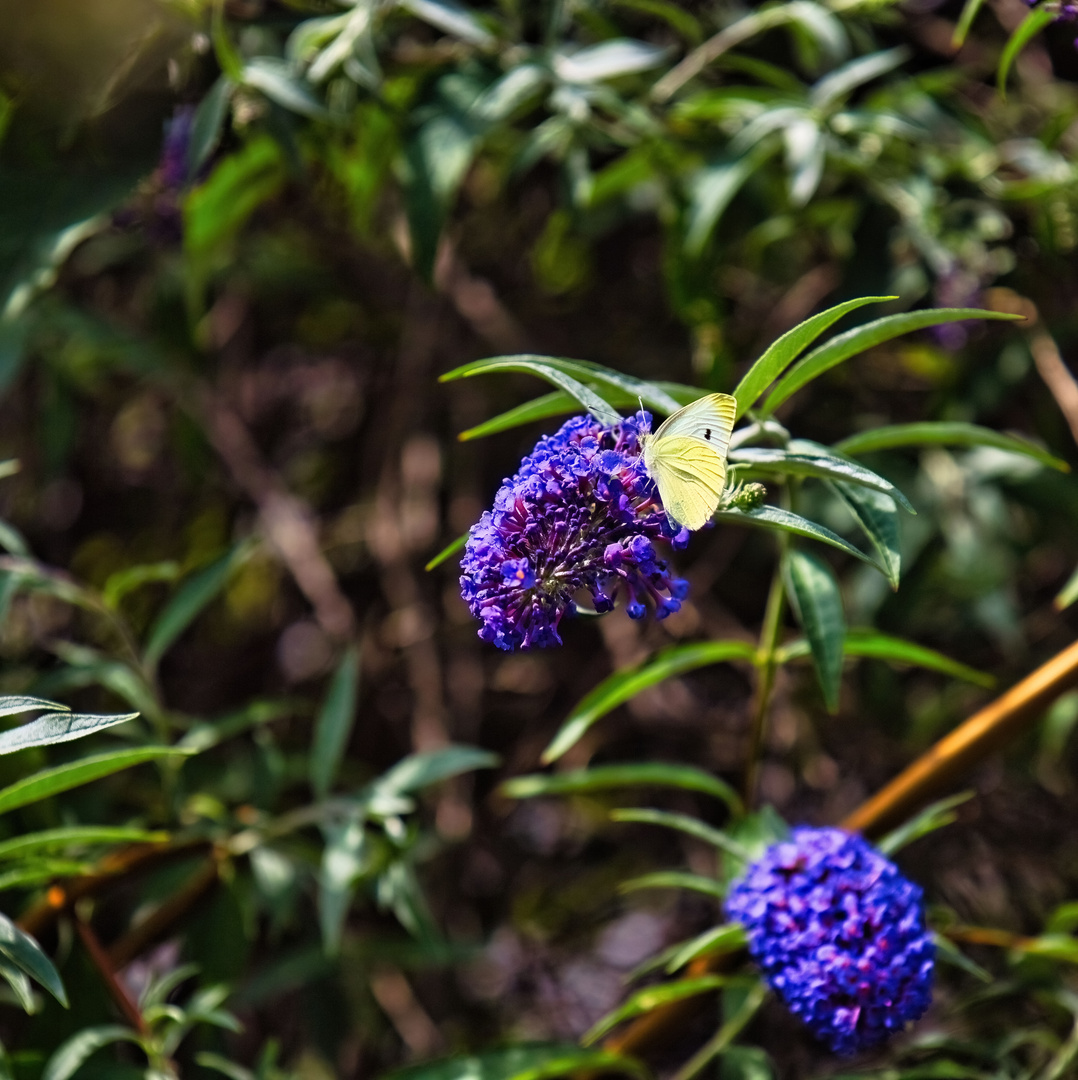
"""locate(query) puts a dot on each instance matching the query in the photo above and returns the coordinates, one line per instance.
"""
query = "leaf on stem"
(817, 602)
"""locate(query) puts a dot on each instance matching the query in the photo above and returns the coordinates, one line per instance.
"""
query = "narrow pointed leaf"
(683, 823)
(16, 978)
(876, 514)
(674, 879)
(864, 337)
(804, 458)
(1068, 594)
(64, 777)
(334, 724)
(817, 601)
(208, 123)
(193, 596)
(12, 704)
(69, 1058)
(930, 819)
(448, 551)
(965, 22)
(26, 954)
(418, 771)
(21, 847)
(605, 777)
(774, 517)
(623, 685)
(944, 433)
(654, 997)
(726, 938)
(1036, 21)
(778, 356)
(537, 1061)
(58, 728)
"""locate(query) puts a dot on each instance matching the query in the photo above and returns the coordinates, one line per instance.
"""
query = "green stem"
(725, 1035)
(766, 662)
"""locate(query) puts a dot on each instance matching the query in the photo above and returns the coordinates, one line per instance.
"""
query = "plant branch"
(116, 989)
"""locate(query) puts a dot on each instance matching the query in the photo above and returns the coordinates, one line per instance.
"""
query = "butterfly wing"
(690, 476)
(709, 419)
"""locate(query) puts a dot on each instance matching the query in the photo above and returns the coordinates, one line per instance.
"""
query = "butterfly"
(686, 458)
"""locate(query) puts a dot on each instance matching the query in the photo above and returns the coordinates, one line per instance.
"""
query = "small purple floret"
(839, 934)
(580, 515)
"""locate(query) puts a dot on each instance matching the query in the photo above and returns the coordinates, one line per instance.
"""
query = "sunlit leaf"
(781, 353)
(619, 687)
(72, 836)
(57, 728)
(208, 123)
(858, 340)
(817, 601)
(418, 771)
(1068, 594)
(928, 820)
(11, 704)
(965, 22)
(726, 938)
(691, 826)
(448, 551)
(875, 512)
(452, 18)
(608, 60)
(1036, 21)
(674, 879)
(605, 777)
(276, 79)
(944, 433)
(711, 190)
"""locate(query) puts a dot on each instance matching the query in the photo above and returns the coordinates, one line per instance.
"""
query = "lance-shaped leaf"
(71, 836)
(780, 354)
(1036, 21)
(559, 403)
(448, 551)
(334, 723)
(581, 371)
(691, 826)
(876, 514)
(57, 728)
(534, 1061)
(48, 782)
(674, 879)
(871, 644)
(817, 601)
(418, 771)
(654, 997)
(774, 517)
(68, 1059)
(726, 938)
(20, 949)
(860, 338)
(12, 704)
(930, 819)
(605, 777)
(345, 859)
(944, 433)
(618, 688)
(805, 458)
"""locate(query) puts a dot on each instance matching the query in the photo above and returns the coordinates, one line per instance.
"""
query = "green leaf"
(608, 59)
(275, 78)
(779, 355)
(48, 782)
(805, 458)
(208, 123)
(950, 953)
(683, 823)
(11, 704)
(581, 372)
(418, 771)
(57, 728)
(545, 369)
(944, 433)
(726, 938)
(654, 997)
(965, 22)
(451, 18)
(538, 1061)
(76, 836)
(448, 551)
(1068, 594)
(346, 859)
(194, 595)
(559, 403)
(605, 777)
(27, 955)
(674, 879)
(712, 189)
(619, 687)
(878, 518)
(70, 1056)
(774, 517)
(122, 582)
(871, 644)
(1028, 28)
(334, 723)
(16, 978)
(864, 337)
(930, 819)
(817, 601)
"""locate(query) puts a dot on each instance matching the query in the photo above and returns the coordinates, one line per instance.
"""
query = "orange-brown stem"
(108, 974)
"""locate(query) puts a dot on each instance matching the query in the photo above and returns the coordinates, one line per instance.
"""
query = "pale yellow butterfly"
(686, 458)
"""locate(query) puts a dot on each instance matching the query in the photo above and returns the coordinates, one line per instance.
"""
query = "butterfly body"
(686, 457)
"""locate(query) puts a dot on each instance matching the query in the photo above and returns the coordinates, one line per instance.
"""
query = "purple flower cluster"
(839, 934)
(580, 515)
